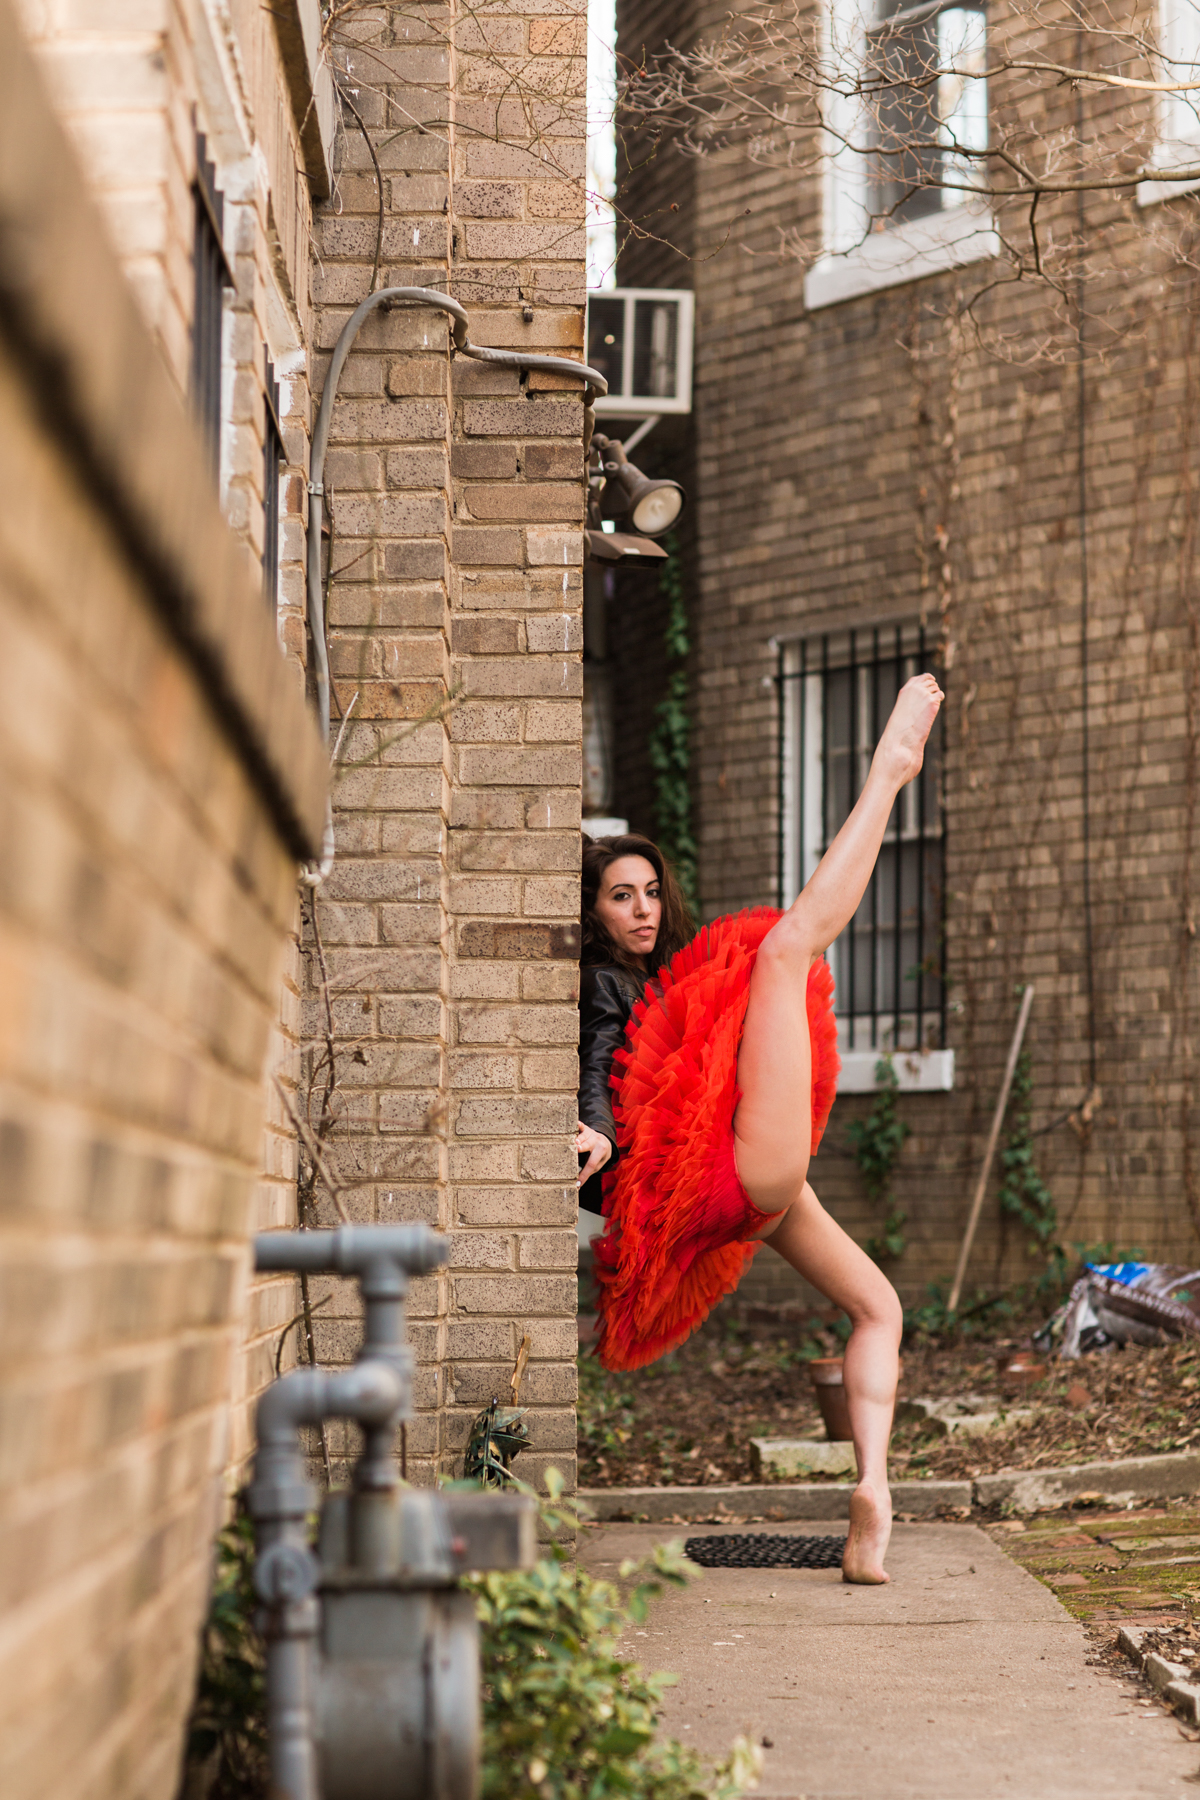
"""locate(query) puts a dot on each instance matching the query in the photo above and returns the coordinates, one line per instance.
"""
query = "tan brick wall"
(158, 779)
(133, 84)
(828, 459)
(451, 918)
(141, 926)
(149, 915)
(133, 81)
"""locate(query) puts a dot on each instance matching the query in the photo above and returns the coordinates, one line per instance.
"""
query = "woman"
(723, 1084)
(634, 920)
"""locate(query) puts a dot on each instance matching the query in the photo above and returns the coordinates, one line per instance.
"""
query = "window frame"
(212, 280)
(1170, 142)
(861, 256)
(887, 36)
(622, 401)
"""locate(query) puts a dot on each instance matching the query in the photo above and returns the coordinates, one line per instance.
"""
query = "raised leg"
(773, 1124)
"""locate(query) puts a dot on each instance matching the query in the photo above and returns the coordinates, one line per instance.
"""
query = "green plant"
(1024, 1196)
(607, 1411)
(668, 749)
(565, 1717)
(227, 1739)
(985, 1311)
(875, 1144)
(934, 1319)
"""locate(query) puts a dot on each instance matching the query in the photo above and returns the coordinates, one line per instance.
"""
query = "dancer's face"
(629, 905)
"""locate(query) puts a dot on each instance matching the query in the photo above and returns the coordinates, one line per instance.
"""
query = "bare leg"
(773, 1123)
(820, 1250)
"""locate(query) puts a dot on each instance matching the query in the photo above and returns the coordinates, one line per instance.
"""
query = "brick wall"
(163, 779)
(133, 88)
(133, 83)
(834, 450)
(158, 781)
(451, 919)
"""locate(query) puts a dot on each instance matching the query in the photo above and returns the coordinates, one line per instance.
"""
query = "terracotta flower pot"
(826, 1376)
(1020, 1370)
(1017, 1378)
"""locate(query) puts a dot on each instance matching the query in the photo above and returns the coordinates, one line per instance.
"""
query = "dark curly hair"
(676, 927)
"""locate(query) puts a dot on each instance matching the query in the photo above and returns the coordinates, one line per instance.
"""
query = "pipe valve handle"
(285, 1573)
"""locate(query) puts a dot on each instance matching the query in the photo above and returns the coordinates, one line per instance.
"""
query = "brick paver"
(1112, 1568)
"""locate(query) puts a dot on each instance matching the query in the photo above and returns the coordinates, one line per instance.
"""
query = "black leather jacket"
(607, 996)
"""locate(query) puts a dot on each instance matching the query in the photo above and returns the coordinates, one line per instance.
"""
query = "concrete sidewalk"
(963, 1680)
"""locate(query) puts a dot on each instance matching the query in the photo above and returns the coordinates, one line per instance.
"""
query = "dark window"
(272, 463)
(212, 275)
(606, 339)
(655, 347)
(838, 691)
(930, 106)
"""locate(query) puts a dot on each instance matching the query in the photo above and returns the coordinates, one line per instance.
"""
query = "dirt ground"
(689, 1419)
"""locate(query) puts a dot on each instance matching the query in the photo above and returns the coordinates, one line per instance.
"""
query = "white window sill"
(917, 1071)
(1149, 193)
(904, 253)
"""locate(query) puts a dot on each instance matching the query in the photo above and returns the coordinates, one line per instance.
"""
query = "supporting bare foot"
(901, 749)
(867, 1539)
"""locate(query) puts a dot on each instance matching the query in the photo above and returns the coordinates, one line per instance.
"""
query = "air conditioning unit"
(641, 339)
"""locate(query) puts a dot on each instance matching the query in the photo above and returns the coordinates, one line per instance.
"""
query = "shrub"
(227, 1738)
(565, 1717)
(875, 1144)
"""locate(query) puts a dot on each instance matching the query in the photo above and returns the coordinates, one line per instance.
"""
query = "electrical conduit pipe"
(594, 383)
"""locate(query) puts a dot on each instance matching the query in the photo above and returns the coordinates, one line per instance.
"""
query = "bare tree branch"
(916, 113)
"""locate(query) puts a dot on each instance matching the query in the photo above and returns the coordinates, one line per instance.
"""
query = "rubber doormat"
(760, 1550)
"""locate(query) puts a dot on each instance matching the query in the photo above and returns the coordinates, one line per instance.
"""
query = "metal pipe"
(594, 383)
(350, 1249)
(373, 1393)
(289, 1703)
(382, 1257)
(370, 1392)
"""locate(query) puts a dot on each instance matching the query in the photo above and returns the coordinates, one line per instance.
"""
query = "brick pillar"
(451, 920)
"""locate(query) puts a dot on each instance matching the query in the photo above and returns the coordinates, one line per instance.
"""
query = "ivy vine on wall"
(1024, 1196)
(875, 1144)
(670, 757)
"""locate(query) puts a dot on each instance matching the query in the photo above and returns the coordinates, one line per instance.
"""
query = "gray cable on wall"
(594, 383)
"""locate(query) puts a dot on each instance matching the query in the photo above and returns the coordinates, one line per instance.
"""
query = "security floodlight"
(621, 547)
(652, 506)
(619, 490)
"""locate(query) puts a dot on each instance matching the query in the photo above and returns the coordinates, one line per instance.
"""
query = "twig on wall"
(333, 1187)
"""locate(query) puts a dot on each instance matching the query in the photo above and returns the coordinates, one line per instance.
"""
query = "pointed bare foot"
(867, 1539)
(901, 749)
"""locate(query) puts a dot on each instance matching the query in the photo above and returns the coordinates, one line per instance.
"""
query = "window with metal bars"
(836, 692)
(211, 276)
(272, 463)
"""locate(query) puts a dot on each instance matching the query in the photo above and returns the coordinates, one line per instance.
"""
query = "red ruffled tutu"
(678, 1220)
